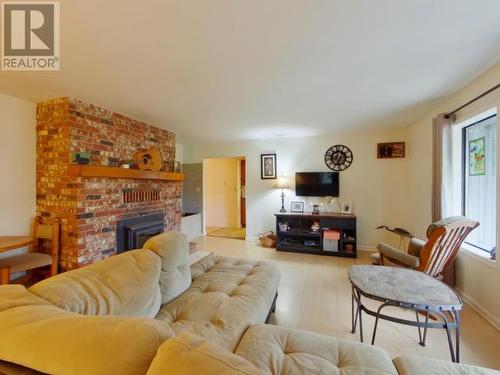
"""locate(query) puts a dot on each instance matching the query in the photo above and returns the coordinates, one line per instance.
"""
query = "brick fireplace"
(90, 208)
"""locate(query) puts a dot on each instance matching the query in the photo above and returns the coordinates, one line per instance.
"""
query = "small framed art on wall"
(268, 166)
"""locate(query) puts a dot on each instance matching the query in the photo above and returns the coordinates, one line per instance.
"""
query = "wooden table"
(14, 242)
(11, 243)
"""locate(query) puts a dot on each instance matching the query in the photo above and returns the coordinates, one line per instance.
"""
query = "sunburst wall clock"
(338, 158)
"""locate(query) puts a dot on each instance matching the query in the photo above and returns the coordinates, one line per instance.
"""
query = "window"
(479, 181)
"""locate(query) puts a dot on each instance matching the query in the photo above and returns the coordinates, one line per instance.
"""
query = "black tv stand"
(299, 237)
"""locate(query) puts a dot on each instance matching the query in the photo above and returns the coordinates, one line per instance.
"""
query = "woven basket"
(267, 239)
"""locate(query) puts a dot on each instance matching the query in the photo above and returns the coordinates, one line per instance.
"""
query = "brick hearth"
(89, 207)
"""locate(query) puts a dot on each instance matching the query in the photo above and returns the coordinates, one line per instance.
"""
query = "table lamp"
(282, 183)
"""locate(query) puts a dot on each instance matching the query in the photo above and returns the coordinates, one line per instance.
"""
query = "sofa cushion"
(41, 336)
(125, 284)
(429, 366)
(281, 351)
(189, 354)
(175, 276)
(226, 296)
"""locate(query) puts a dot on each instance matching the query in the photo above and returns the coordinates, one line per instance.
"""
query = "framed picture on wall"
(391, 150)
(268, 166)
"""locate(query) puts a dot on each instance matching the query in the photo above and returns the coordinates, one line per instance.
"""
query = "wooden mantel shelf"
(112, 172)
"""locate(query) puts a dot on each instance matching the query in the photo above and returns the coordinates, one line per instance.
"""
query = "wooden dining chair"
(444, 239)
(35, 258)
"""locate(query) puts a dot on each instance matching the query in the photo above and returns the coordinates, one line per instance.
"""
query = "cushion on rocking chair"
(375, 258)
(414, 248)
(398, 256)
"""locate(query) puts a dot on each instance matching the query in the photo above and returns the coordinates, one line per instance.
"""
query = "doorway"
(224, 201)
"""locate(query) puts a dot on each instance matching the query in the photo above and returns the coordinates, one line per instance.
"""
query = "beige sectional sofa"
(148, 312)
(273, 350)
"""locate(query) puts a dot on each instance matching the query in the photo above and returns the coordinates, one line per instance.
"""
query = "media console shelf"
(336, 234)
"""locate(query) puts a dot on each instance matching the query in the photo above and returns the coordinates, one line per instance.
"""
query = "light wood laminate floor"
(315, 294)
(237, 233)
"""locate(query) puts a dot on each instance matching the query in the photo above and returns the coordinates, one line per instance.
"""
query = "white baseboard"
(491, 318)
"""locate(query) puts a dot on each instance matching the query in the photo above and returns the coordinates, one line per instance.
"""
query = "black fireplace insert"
(132, 233)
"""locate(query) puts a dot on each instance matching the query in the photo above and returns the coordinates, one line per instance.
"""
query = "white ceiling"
(246, 69)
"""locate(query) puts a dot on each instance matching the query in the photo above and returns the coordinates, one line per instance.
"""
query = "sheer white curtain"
(446, 180)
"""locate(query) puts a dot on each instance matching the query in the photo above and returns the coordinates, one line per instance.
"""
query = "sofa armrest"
(396, 256)
(126, 284)
(45, 338)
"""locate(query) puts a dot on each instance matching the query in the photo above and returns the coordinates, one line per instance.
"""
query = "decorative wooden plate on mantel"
(149, 159)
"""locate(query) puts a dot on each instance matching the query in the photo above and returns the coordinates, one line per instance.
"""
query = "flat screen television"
(317, 184)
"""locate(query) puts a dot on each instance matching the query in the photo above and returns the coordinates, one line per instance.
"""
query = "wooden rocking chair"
(444, 239)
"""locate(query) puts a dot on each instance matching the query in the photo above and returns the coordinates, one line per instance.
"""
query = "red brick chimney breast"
(90, 207)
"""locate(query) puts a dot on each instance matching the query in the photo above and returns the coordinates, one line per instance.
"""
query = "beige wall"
(377, 188)
(477, 278)
(221, 192)
(17, 165)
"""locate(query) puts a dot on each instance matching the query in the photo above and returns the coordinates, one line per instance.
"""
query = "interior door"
(243, 192)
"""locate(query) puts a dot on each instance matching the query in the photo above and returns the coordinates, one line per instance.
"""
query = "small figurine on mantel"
(402, 233)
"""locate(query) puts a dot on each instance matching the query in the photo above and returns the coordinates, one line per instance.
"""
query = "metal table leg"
(457, 335)
(448, 334)
(353, 320)
(360, 311)
(376, 321)
(420, 338)
(355, 314)
(426, 326)
(419, 331)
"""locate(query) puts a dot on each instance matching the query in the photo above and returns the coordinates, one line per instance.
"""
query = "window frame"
(464, 170)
